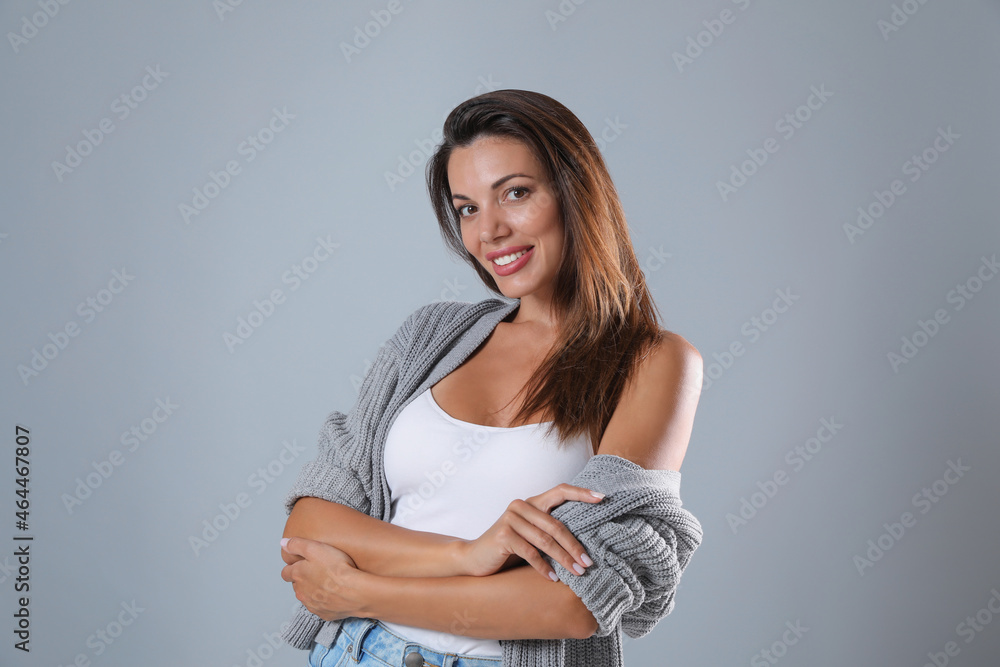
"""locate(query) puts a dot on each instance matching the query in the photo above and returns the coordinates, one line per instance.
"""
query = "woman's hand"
(525, 528)
(326, 580)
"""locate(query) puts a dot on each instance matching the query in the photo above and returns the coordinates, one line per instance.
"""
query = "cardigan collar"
(478, 321)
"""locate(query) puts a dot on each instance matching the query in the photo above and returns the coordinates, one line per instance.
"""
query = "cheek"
(557, 244)
(551, 229)
(543, 218)
(470, 240)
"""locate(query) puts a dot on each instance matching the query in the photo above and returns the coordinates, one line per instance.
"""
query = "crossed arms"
(416, 578)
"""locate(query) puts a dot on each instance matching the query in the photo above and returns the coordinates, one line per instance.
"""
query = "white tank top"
(456, 478)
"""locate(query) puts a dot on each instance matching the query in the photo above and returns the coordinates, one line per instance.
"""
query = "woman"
(505, 489)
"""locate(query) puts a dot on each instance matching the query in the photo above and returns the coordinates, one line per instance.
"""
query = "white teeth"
(507, 259)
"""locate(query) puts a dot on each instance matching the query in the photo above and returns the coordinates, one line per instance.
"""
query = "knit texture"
(639, 536)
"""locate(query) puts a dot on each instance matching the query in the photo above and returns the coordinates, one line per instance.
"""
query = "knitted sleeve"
(342, 471)
(639, 537)
(330, 475)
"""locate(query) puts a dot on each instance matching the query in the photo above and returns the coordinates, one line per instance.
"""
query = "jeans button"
(413, 659)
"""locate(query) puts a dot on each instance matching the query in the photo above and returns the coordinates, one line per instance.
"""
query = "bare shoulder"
(652, 423)
(674, 361)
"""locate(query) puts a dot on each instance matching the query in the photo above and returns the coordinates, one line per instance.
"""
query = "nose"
(491, 224)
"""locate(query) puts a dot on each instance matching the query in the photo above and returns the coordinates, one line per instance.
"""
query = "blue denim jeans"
(364, 642)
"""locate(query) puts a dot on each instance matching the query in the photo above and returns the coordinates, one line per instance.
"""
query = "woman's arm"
(512, 604)
(516, 603)
(378, 547)
(524, 533)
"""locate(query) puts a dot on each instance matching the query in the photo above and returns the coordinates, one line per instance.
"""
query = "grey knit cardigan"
(639, 536)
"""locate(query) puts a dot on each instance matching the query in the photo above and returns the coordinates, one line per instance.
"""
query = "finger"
(553, 539)
(290, 558)
(558, 531)
(522, 548)
(559, 494)
(286, 573)
(299, 546)
(535, 560)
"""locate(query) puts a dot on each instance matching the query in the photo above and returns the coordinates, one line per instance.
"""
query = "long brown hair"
(608, 321)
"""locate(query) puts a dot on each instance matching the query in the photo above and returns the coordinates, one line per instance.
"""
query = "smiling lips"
(509, 260)
(506, 250)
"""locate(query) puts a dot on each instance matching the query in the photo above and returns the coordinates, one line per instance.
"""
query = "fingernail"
(284, 542)
(577, 568)
(553, 576)
(586, 560)
(597, 494)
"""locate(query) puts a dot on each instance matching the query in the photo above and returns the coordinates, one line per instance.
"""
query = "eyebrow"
(495, 185)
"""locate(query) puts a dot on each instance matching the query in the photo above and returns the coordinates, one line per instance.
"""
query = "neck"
(537, 312)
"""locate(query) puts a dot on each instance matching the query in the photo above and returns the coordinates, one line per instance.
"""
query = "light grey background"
(713, 263)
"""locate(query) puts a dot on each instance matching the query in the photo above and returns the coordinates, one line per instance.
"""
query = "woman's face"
(505, 206)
